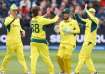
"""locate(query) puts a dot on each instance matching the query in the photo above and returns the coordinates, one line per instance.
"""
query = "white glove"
(67, 30)
(56, 29)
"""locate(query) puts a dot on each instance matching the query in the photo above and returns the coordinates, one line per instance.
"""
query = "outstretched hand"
(77, 9)
(86, 5)
(57, 12)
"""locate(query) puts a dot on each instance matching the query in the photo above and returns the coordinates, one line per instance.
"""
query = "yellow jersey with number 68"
(37, 24)
(69, 37)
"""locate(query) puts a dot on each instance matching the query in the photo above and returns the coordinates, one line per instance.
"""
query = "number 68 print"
(35, 28)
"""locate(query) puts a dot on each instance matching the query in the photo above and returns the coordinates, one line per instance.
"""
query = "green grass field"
(15, 68)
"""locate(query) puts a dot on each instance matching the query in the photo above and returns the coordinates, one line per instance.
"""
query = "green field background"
(15, 68)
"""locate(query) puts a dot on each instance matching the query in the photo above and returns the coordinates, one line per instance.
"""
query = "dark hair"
(35, 11)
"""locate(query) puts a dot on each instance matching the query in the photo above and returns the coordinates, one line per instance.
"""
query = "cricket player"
(13, 41)
(39, 46)
(91, 24)
(68, 30)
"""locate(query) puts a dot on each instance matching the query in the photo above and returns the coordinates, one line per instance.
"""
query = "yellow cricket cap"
(92, 10)
(13, 7)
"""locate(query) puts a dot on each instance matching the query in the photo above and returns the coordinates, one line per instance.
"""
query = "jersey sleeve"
(46, 21)
(76, 28)
(7, 21)
(80, 19)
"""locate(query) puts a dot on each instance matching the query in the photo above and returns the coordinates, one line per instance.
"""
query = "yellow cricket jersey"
(71, 37)
(37, 24)
(13, 29)
(91, 24)
(91, 27)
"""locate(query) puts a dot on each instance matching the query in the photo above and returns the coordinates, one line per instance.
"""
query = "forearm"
(54, 19)
(49, 21)
(79, 19)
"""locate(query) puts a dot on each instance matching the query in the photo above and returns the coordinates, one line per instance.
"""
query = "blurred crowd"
(26, 5)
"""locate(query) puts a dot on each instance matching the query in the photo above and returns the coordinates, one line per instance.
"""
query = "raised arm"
(78, 17)
(92, 17)
(47, 21)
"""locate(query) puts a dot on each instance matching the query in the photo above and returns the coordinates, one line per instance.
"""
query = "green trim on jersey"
(39, 40)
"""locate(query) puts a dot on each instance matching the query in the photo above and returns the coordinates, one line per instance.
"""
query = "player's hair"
(35, 11)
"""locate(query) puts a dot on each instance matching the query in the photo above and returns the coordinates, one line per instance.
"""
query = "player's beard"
(66, 18)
